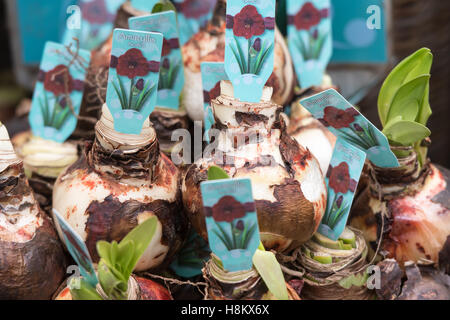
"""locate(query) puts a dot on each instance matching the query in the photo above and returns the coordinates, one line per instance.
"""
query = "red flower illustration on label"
(307, 17)
(166, 49)
(228, 209)
(248, 23)
(133, 64)
(95, 11)
(58, 80)
(339, 178)
(195, 8)
(215, 92)
(338, 118)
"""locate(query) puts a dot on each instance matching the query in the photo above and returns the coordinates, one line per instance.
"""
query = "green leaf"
(270, 271)
(130, 98)
(216, 173)
(85, 293)
(163, 6)
(224, 241)
(142, 99)
(141, 236)
(61, 118)
(407, 101)
(113, 287)
(319, 45)
(406, 132)
(118, 94)
(302, 47)
(44, 109)
(124, 95)
(425, 108)
(173, 74)
(417, 64)
(236, 56)
(241, 54)
(357, 280)
(248, 236)
(125, 256)
(263, 59)
(54, 111)
(103, 250)
(143, 93)
(113, 253)
(226, 237)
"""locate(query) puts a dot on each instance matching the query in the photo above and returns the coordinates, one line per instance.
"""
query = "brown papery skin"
(33, 269)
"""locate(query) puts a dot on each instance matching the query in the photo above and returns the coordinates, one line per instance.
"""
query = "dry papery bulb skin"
(323, 280)
(120, 181)
(288, 185)
(32, 261)
(138, 289)
(43, 161)
(208, 45)
(413, 283)
(243, 285)
(413, 200)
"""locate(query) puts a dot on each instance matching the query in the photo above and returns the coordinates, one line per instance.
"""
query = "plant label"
(59, 91)
(133, 78)
(347, 123)
(143, 5)
(171, 72)
(190, 260)
(249, 46)
(193, 15)
(359, 32)
(231, 221)
(310, 39)
(212, 74)
(342, 180)
(77, 249)
(91, 22)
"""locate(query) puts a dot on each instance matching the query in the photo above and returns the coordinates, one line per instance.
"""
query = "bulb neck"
(126, 157)
(408, 179)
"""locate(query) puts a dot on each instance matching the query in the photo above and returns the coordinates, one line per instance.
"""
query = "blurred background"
(25, 25)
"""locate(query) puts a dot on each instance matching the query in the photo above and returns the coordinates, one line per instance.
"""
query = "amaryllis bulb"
(120, 181)
(288, 186)
(32, 261)
(413, 203)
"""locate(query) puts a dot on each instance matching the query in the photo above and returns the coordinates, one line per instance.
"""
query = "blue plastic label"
(133, 78)
(190, 260)
(77, 249)
(97, 22)
(212, 74)
(342, 180)
(232, 222)
(192, 16)
(171, 72)
(144, 5)
(310, 39)
(39, 22)
(347, 123)
(249, 46)
(359, 32)
(59, 92)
